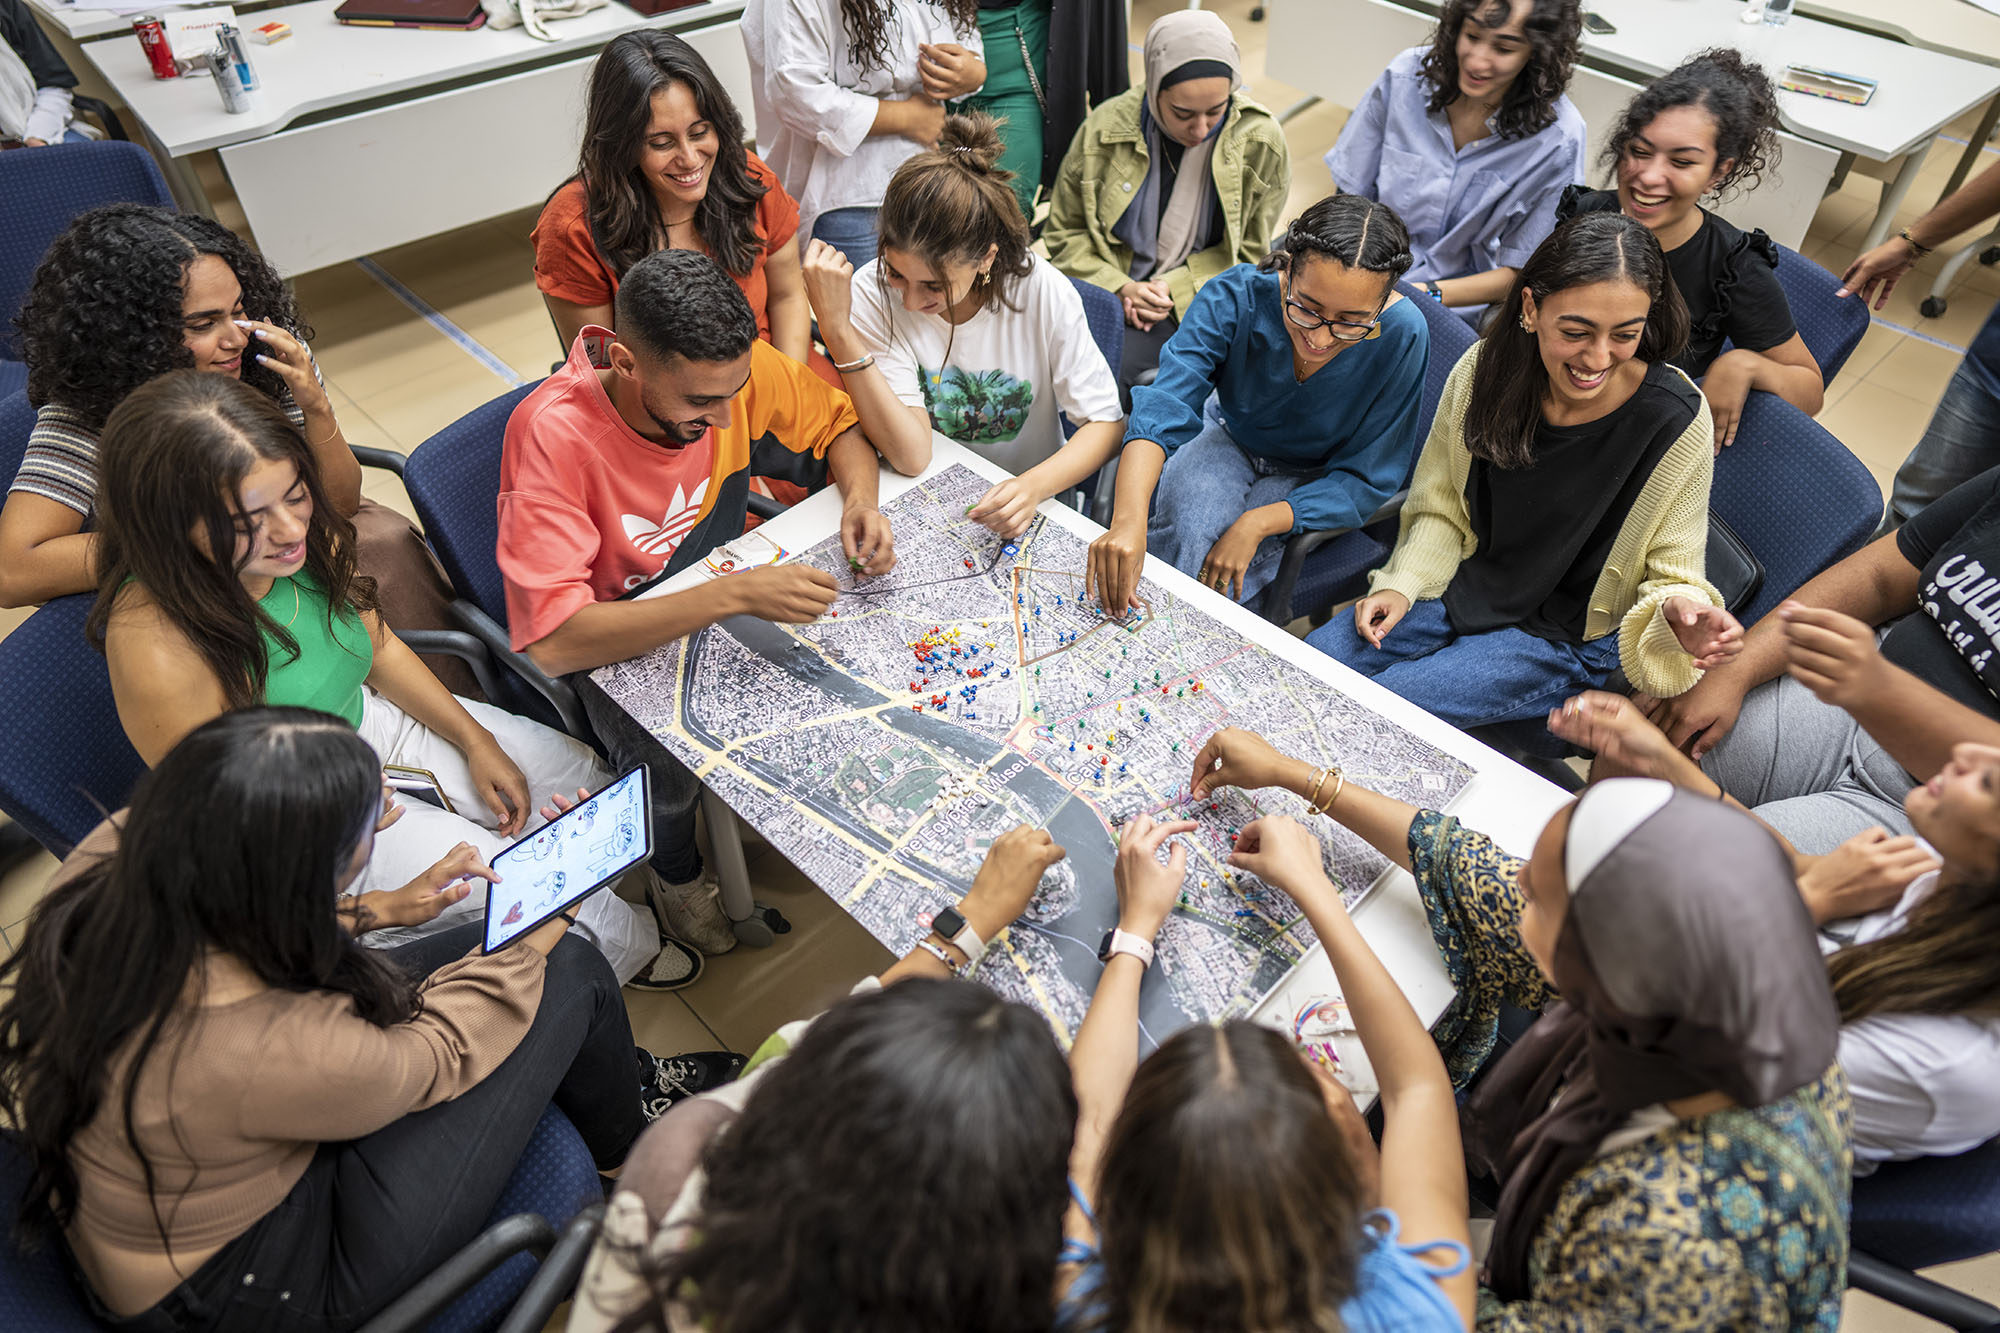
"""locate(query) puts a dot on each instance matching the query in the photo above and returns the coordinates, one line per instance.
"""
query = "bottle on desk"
(1777, 12)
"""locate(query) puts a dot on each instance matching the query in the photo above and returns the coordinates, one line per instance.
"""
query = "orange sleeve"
(567, 265)
(792, 416)
(777, 212)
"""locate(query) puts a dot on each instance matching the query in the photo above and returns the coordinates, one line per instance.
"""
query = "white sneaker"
(692, 912)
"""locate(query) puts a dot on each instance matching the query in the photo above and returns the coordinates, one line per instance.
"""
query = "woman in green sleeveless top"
(229, 582)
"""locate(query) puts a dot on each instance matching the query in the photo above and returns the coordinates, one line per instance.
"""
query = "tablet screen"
(567, 860)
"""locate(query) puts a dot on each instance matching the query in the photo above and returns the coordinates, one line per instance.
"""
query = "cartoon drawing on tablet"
(543, 845)
(513, 915)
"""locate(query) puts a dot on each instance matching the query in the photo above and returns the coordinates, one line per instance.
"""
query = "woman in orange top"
(663, 167)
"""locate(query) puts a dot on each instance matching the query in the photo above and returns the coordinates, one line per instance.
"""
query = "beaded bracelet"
(1917, 248)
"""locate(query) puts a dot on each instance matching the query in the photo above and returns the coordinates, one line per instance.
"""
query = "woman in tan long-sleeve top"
(239, 1118)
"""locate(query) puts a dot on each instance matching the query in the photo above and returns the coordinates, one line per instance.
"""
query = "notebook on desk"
(457, 15)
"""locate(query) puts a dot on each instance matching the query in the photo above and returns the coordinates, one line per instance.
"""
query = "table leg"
(1973, 148)
(182, 179)
(1892, 197)
(725, 842)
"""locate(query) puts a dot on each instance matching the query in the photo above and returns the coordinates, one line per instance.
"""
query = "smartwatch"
(1124, 941)
(950, 925)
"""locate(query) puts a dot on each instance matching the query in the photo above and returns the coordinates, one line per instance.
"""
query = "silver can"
(230, 42)
(235, 100)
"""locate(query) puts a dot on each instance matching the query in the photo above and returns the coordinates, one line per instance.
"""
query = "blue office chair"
(64, 760)
(44, 190)
(1320, 569)
(17, 422)
(554, 1185)
(1934, 1210)
(1106, 317)
(1831, 326)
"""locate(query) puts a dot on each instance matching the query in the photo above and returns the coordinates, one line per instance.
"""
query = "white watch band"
(1124, 941)
(967, 942)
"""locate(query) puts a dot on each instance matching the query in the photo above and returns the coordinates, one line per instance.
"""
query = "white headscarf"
(1174, 40)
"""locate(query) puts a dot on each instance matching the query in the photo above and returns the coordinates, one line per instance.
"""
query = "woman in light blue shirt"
(1471, 140)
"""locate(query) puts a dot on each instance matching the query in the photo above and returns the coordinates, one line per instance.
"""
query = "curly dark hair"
(867, 24)
(624, 216)
(1737, 95)
(1553, 29)
(103, 312)
(901, 1171)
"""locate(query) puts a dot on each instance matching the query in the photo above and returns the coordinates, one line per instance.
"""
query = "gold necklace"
(295, 601)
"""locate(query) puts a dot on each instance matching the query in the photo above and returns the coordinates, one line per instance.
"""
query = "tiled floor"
(396, 378)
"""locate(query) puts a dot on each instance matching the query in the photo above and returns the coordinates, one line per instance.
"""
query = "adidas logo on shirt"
(683, 512)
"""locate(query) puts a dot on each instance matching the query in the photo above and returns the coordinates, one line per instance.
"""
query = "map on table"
(970, 689)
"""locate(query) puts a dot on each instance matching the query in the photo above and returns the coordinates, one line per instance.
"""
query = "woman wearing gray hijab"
(1671, 1137)
(1167, 185)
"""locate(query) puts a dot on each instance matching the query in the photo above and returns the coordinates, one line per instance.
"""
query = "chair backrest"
(453, 480)
(1933, 1210)
(44, 190)
(1795, 494)
(1450, 336)
(17, 422)
(1831, 326)
(1106, 317)
(64, 760)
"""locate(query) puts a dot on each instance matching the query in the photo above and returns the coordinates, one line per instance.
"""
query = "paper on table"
(192, 31)
(120, 6)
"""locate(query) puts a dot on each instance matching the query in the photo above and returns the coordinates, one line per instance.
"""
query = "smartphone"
(418, 784)
(1598, 25)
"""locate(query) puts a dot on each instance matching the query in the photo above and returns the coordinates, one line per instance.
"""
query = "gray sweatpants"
(1808, 769)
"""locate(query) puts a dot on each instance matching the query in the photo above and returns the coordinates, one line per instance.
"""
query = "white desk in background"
(1958, 27)
(365, 138)
(1336, 48)
(1503, 799)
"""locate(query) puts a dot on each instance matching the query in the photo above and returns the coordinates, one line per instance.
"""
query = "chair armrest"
(100, 110)
(387, 459)
(556, 1278)
(510, 1236)
(459, 644)
(763, 506)
(556, 693)
(1933, 1300)
(1277, 604)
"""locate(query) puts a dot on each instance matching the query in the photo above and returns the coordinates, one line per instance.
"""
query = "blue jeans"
(1207, 485)
(1962, 441)
(1469, 680)
(848, 230)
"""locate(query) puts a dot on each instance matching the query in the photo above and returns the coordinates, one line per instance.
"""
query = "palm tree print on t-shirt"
(979, 406)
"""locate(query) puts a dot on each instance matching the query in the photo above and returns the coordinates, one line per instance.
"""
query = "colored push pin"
(968, 562)
(1121, 768)
(1175, 746)
(1072, 747)
(1118, 708)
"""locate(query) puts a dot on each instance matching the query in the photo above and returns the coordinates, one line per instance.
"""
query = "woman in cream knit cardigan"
(1557, 526)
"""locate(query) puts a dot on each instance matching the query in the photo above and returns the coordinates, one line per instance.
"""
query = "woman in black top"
(1694, 132)
(1556, 526)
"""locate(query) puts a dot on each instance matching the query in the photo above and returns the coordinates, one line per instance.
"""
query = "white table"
(1954, 26)
(365, 138)
(1503, 799)
(1326, 46)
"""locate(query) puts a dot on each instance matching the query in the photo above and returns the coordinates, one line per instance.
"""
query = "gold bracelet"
(1917, 248)
(1339, 786)
(331, 436)
(1312, 797)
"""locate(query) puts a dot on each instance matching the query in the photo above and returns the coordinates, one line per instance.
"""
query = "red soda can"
(153, 37)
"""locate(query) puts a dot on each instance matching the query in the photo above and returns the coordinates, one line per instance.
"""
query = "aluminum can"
(230, 42)
(234, 99)
(152, 36)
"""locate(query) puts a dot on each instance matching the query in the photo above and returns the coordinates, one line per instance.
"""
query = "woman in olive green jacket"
(1167, 185)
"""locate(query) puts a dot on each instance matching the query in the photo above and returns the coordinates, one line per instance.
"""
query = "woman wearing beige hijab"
(1167, 185)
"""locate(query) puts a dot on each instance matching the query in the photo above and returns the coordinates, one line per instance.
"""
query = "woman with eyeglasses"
(1556, 529)
(1286, 402)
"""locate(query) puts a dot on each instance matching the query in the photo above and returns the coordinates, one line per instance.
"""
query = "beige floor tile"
(746, 994)
(22, 888)
(1878, 424)
(664, 1025)
(416, 409)
(1875, 344)
(1916, 369)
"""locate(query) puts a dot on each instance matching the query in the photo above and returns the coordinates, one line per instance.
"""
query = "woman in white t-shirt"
(846, 90)
(960, 328)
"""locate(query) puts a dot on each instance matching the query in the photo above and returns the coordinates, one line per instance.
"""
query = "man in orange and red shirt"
(632, 462)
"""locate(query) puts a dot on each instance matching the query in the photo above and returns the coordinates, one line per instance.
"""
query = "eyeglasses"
(1304, 317)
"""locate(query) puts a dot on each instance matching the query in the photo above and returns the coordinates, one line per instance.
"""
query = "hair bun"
(972, 138)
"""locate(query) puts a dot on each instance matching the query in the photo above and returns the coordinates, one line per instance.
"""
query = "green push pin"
(1178, 693)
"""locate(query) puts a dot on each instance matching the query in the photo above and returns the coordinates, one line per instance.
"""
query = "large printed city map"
(973, 688)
